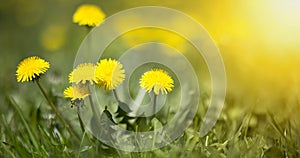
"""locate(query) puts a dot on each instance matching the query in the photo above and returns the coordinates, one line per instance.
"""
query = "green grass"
(29, 130)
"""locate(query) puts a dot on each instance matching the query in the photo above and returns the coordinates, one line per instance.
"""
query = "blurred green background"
(258, 40)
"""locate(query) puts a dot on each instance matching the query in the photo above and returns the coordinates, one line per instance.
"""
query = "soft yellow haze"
(260, 45)
(259, 41)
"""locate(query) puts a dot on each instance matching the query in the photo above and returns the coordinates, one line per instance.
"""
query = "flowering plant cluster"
(107, 74)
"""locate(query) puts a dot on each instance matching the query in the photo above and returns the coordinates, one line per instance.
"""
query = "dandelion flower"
(76, 92)
(90, 15)
(31, 68)
(109, 74)
(83, 73)
(158, 80)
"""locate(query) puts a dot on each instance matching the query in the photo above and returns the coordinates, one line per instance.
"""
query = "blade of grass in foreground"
(27, 127)
(6, 146)
(7, 150)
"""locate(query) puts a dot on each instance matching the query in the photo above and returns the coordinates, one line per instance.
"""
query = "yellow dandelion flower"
(158, 80)
(83, 73)
(90, 15)
(76, 92)
(109, 74)
(31, 68)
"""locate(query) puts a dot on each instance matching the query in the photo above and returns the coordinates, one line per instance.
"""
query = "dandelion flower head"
(31, 68)
(158, 80)
(90, 15)
(109, 73)
(76, 92)
(83, 73)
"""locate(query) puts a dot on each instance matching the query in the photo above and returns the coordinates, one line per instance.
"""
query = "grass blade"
(27, 127)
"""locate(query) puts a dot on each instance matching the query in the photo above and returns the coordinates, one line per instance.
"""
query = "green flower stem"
(55, 110)
(89, 28)
(91, 101)
(154, 104)
(116, 96)
(88, 47)
(80, 120)
(93, 107)
(95, 113)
